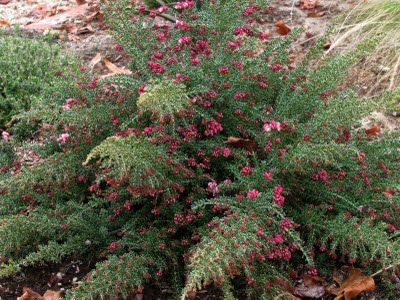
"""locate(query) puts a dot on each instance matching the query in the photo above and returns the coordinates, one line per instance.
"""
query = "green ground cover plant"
(29, 67)
(215, 162)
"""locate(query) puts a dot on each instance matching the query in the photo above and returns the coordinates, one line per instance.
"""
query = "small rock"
(59, 275)
(88, 242)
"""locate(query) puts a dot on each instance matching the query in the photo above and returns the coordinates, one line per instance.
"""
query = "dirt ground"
(81, 29)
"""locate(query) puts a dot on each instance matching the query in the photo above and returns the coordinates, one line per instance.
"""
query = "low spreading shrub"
(28, 68)
(216, 161)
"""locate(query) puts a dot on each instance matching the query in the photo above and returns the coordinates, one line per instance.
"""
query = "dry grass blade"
(114, 69)
(374, 20)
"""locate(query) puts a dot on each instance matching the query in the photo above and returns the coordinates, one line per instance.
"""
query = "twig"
(385, 269)
(291, 11)
(167, 17)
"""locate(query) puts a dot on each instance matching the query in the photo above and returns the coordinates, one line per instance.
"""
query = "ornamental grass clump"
(379, 20)
(243, 170)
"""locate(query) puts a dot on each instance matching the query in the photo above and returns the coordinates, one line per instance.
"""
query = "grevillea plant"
(218, 161)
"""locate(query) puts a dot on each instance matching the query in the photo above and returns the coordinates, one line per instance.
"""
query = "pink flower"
(5, 136)
(158, 55)
(162, 37)
(246, 170)
(195, 61)
(252, 194)
(241, 30)
(213, 188)
(223, 70)
(184, 4)
(277, 196)
(185, 40)
(141, 89)
(113, 246)
(263, 85)
(162, 8)
(128, 205)
(278, 239)
(113, 196)
(82, 178)
(211, 94)
(249, 11)
(225, 152)
(118, 47)
(272, 125)
(268, 175)
(276, 67)
(263, 36)
(286, 224)
(148, 130)
(239, 95)
(227, 181)
(323, 175)
(182, 25)
(213, 127)
(156, 67)
(63, 138)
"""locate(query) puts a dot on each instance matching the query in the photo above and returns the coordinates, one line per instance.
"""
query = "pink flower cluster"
(213, 127)
(63, 138)
(277, 196)
(253, 194)
(5, 136)
(68, 103)
(272, 125)
(246, 170)
(184, 4)
(156, 67)
(224, 151)
(267, 175)
(280, 253)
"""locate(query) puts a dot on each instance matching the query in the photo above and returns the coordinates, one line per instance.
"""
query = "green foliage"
(211, 163)
(28, 68)
(164, 98)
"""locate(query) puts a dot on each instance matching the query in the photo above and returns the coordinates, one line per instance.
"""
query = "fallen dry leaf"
(314, 14)
(327, 45)
(282, 28)
(28, 294)
(374, 130)
(95, 60)
(355, 284)
(311, 287)
(4, 22)
(389, 193)
(116, 70)
(5, 1)
(308, 4)
(51, 295)
(247, 144)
